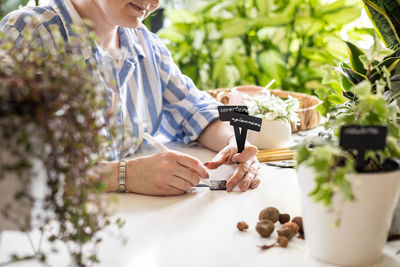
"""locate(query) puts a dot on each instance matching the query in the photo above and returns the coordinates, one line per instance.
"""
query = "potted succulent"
(348, 206)
(51, 113)
(277, 114)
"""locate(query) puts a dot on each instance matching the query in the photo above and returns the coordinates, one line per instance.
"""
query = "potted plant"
(52, 110)
(348, 206)
(277, 115)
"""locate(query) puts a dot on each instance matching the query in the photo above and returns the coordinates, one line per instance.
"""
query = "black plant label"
(246, 122)
(363, 137)
(226, 112)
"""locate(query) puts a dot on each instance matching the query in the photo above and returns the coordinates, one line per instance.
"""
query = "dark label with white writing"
(226, 112)
(246, 121)
(363, 137)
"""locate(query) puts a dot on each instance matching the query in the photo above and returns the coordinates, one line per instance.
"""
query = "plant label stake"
(363, 138)
(226, 113)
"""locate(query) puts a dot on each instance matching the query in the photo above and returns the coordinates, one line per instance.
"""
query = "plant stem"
(36, 2)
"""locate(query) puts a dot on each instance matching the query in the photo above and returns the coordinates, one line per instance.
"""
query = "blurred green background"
(224, 43)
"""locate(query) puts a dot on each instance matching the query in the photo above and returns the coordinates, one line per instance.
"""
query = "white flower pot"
(273, 134)
(364, 223)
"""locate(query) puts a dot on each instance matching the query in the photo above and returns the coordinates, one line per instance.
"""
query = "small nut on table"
(269, 213)
(242, 226)
(265, 228)
(283, 241)
(299, 222)
(286, 231)
(284, 218)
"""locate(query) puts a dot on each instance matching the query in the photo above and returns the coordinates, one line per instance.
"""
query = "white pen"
(163, 148)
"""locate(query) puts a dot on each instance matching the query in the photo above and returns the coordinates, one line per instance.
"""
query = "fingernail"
(229, 187)
(254, 184)
(244, 186)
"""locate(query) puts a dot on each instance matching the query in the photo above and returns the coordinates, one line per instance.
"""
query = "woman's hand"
(167, 173)
(247, 172)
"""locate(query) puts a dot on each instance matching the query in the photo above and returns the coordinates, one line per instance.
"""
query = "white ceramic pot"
(273, 134)
(365, 223)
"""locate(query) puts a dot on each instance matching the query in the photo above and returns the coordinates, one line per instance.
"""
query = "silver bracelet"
(122, 176)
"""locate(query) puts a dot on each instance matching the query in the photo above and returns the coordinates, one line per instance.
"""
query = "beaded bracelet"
(122, 176)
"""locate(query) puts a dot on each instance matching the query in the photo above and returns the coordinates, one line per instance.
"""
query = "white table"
(199, 228)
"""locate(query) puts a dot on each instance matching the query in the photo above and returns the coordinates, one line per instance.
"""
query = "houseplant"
(228, 43)
(277, 115)
(52, 110)
(359, 201)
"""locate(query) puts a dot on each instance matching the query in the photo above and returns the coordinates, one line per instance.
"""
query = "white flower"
(270, 107)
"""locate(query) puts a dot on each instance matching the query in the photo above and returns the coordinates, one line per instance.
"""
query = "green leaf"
(172, 33)
(272, 21)
(264, 6)
(181, 16)
(342, 15)
(354, 57)
(308, 26)
(385, 24)
(234, 27)
(362, 89)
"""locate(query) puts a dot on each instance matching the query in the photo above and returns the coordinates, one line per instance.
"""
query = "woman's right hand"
(167, 173)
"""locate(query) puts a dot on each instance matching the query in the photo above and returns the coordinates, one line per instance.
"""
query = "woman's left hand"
(247, 172)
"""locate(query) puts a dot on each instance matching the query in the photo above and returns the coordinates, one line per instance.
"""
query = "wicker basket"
(308, 115)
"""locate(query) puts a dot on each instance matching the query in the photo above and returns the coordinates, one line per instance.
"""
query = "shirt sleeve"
(186, 111)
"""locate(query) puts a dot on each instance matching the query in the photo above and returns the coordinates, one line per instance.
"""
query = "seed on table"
(269, 213)
(242, 226)
(284, 218)
(265, 228)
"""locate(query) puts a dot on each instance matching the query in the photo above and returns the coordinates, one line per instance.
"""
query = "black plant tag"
(226, 112)
(363, 138)
(246, 122)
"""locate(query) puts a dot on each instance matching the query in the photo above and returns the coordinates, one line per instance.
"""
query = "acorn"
(284, 218)
(286, 231)
(269, 213)
(299, 222)
(283, 241)
(292, 225)
(265, 228)
(242, 226)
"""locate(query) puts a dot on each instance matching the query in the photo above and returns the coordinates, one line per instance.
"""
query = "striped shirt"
(154, 96)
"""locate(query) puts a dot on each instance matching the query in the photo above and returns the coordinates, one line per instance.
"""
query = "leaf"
(172, 33)
(181, 16)
(264, 6)
(308, 26)
(234, 27)
(383, 23)
(354, 57)
(268, 21)
(342, 15)
(362, 89)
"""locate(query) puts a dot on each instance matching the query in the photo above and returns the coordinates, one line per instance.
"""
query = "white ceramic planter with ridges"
(365, 223)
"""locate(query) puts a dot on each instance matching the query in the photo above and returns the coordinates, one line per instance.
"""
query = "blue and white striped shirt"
(155, 96)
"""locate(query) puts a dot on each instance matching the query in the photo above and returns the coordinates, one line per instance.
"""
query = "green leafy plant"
(270, 107)
(332, 164)
(385, 16)
(230, 42)
(52, 110)
(376, 65)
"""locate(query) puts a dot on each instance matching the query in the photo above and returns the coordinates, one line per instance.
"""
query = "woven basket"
(308, 115)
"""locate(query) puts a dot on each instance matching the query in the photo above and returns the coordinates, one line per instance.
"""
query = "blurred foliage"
(42, 120)
(230, 42)
(7, 6)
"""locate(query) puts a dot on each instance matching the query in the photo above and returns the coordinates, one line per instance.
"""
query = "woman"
(154, 97)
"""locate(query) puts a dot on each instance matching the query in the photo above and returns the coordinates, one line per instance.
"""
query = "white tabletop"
(199, 228)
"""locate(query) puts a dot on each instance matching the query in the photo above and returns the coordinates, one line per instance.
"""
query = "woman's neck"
(106, 33)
